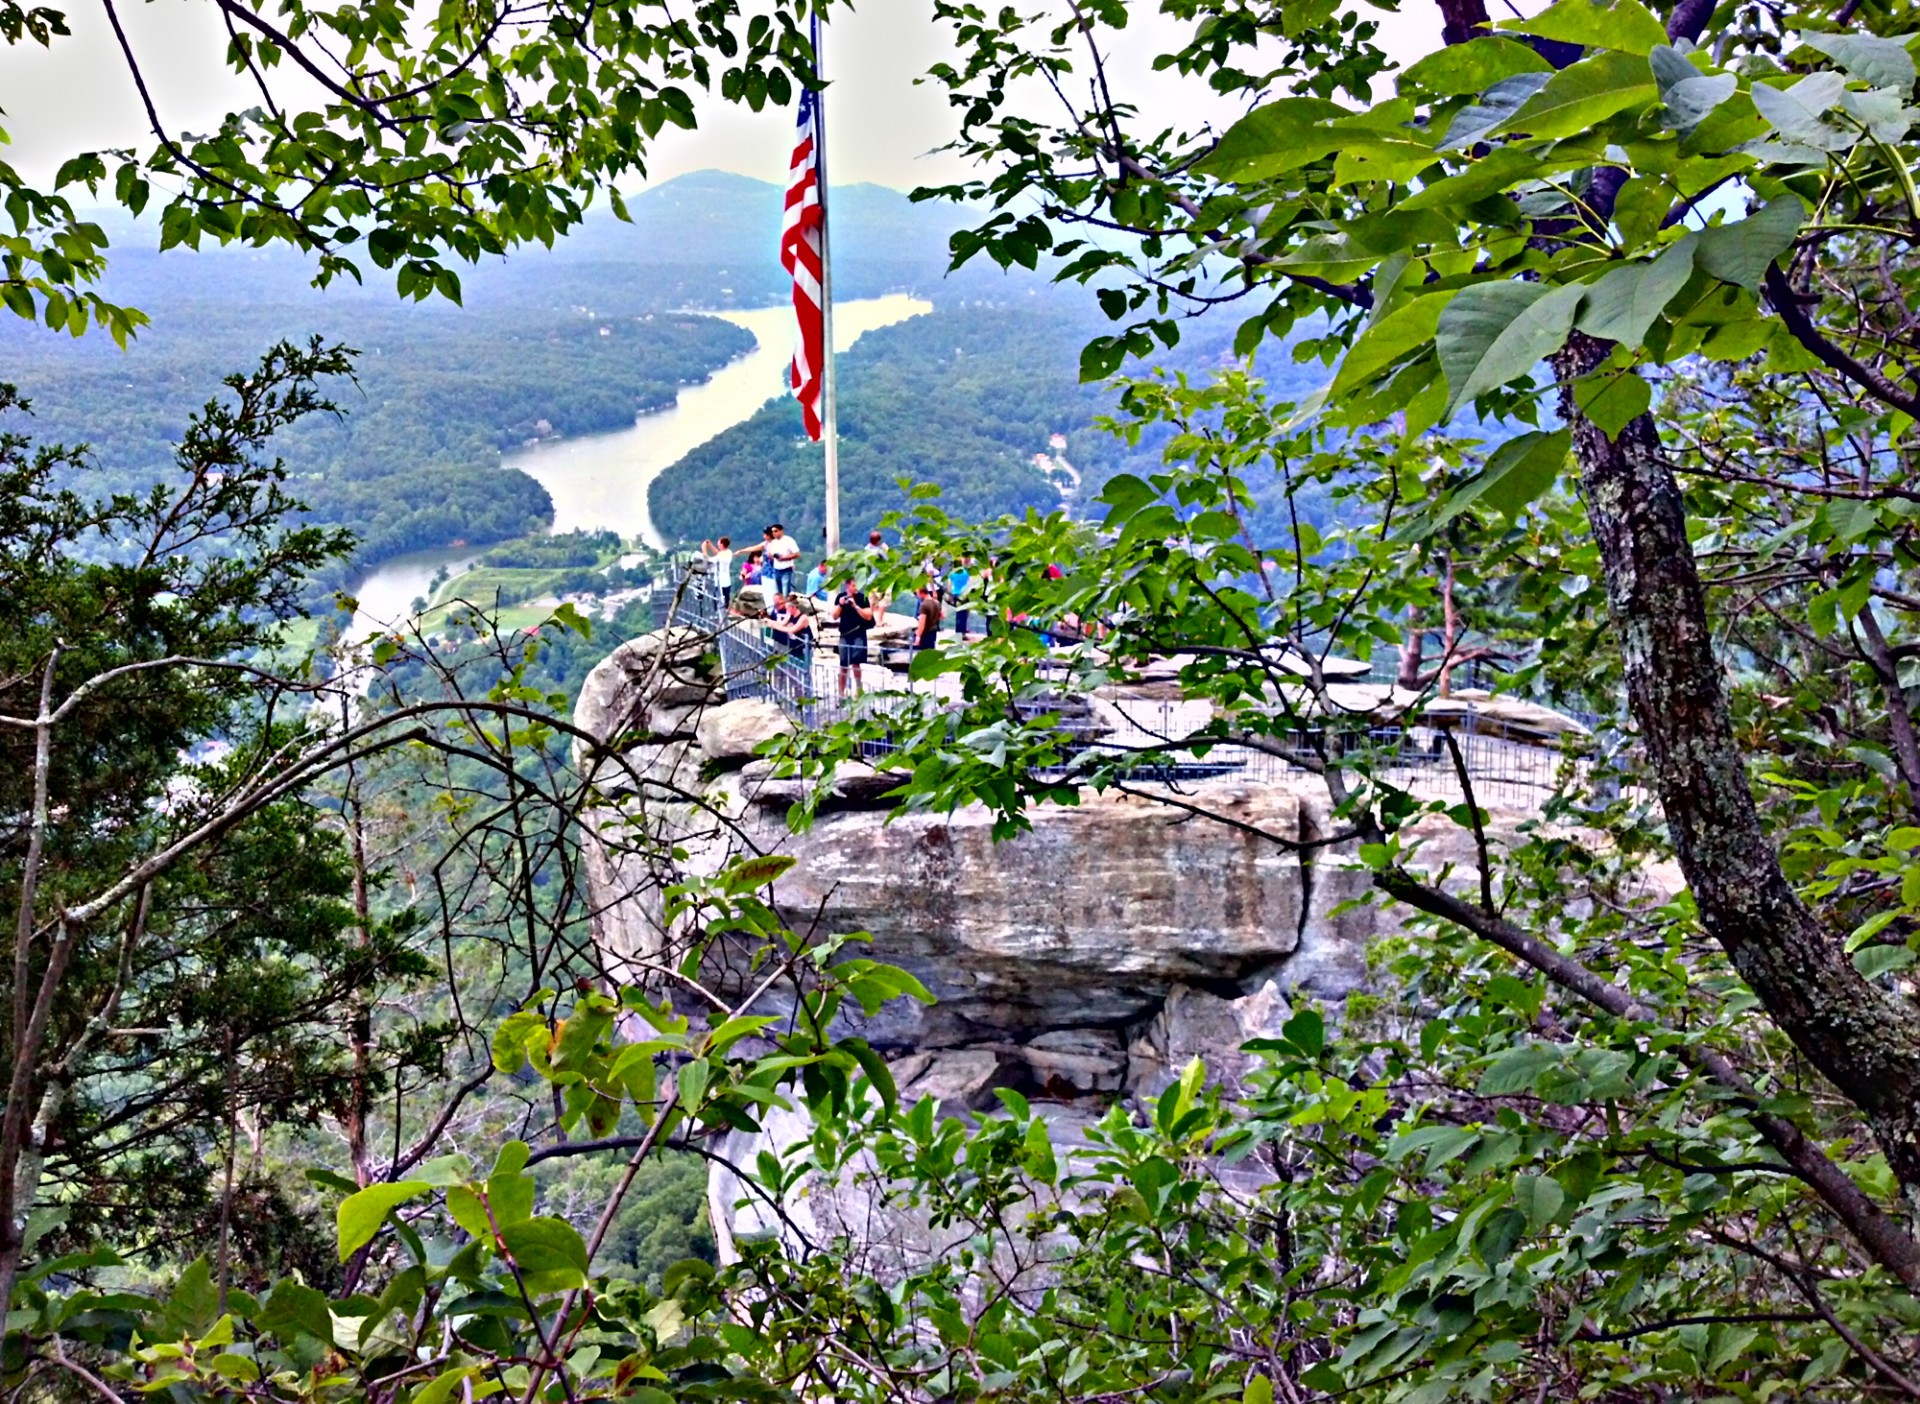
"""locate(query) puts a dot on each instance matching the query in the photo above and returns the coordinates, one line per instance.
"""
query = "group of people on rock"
(771, 564)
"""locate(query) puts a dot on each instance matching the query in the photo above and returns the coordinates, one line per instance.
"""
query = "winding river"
(599, 482)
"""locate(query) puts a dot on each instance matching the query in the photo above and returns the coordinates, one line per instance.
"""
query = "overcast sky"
(881, 126)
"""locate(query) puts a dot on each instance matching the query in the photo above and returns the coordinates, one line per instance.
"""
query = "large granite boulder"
(1086, 959)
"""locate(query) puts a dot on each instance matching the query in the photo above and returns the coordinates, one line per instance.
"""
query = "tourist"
(853, 612)
(957, 582)
(877, 549)
(753, 559)
(926, 629)
(817, 581)
(720, 560)
(781, 553)
(794, 627)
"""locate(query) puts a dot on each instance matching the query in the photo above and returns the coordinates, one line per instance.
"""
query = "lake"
(599, 481)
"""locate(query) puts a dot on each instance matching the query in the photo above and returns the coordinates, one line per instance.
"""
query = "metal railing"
(1161, 741)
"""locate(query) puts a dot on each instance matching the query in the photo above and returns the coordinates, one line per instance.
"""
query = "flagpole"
(829, 417)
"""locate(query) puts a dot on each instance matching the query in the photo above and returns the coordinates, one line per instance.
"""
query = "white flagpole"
(829, 417)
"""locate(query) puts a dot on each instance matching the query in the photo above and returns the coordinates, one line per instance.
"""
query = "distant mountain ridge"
(708, 239)
(735, 220)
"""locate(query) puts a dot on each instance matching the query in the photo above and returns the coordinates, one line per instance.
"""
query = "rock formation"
(1089, 958)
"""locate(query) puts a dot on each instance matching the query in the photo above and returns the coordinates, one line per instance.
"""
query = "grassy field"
(481, 585)
(298, 637)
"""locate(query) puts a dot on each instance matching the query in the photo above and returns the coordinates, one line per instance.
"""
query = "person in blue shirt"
(817, 581)
(957, 582)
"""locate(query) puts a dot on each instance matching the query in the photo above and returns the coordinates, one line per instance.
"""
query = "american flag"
(800, 256)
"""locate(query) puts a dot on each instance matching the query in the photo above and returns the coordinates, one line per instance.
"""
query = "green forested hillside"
(964, 397)
(575, 340)
(414, 460)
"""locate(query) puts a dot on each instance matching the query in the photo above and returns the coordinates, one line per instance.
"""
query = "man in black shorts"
(854, 614)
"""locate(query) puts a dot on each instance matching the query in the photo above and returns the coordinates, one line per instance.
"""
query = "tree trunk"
(360, 1008)
(1413, 654)
(1865, 1041)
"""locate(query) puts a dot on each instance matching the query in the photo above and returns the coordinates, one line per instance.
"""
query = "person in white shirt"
(781, 552)
(722, 558)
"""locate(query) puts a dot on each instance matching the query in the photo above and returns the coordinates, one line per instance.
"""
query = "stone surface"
(732, 730)
(957, 1079)
(1067, 1062)
(1089, 958)
(633, 686)
(1196, 1024)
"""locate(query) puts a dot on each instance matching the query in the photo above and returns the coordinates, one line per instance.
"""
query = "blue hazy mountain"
(709, 239)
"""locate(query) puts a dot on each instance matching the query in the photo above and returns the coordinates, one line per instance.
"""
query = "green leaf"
(1798, 113)
(1124, 495)
(1392, 159)
(1306, 1031)
(512, 1158)
(1472, 67)
(1740, 253)
(1517, 473)
(510, 1039)
(469, 1212)
(875, 1067)
(440, 1388)
(731, 1031)
(1613, 397)
(692, 1083)
(1623, 304)
(567, 614)
(1625, 26)
(1692, 100)
(1497, 1237)
(1577, 99)
(1499, 102)
(297, 1308)
(1727, 1343)
(1519, 1068)
(1540, 1198)
(194, 1303)
(361, 1215)
(1037, 1154)
(1280, 136)
(1878, 62)
(1259, 1390)
(1874, 961)
(1406, 328)
(1101, 357)
(546, 1246)
(1441, 1144)
(234, 1366)
(1495, 332)
(749, 874)
(510, 1196)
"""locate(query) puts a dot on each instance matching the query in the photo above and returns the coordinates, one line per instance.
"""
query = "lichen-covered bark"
(1865, 1041)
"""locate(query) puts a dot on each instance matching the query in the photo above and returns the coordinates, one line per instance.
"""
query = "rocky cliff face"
(1089, 958)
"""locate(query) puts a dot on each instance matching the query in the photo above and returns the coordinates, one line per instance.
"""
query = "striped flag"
(800, 256)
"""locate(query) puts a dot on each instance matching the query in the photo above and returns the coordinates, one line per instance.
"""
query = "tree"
(477, 1290)
(1545, 194)
(1695, 222)
(193, 874)
(419, 133)
(124, 653)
